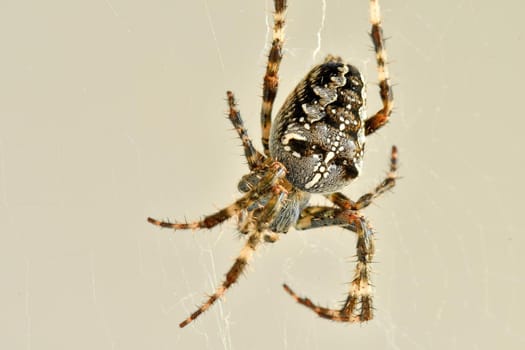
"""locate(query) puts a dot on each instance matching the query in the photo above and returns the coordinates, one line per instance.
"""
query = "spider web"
(112, 111)
(432, 270)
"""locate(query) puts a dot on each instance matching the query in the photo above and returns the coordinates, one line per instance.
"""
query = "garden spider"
(316, 145)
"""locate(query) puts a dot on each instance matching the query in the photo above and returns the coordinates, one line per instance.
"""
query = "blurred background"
(112, 111)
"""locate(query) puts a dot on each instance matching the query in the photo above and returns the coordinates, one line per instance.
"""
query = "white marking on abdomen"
(315, 180)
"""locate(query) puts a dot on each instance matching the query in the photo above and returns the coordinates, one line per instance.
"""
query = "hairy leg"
(365, 200)
(257, 230)
(271, 78)
(268, 185)
(358, 304)
(208, 221)
(379, 119)
(231, 277)
(253, 157)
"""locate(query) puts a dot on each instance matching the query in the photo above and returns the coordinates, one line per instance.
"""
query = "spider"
(315, 146)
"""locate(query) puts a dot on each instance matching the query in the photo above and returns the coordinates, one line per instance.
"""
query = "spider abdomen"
(318, 134)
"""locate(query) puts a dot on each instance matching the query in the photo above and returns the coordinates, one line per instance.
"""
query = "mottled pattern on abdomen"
(319, 132)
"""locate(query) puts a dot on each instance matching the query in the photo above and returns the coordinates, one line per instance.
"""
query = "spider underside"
(316, 145)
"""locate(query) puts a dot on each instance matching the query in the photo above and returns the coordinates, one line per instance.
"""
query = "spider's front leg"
(385, 89)
(360, 292)
(271, 77)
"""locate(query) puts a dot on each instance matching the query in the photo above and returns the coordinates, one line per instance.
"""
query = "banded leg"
(209, 221)
(256, 230)
(365, 200)
(385, 89)
(322, 216)
(358, 305)
(253, 157)
(271, 78)
(268, 184)
(231, 277)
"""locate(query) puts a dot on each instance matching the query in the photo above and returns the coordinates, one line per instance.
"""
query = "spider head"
(319, 132)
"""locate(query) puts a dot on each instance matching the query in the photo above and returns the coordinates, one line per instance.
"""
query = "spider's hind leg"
(346, 215)
(253, 157)
(358, 305)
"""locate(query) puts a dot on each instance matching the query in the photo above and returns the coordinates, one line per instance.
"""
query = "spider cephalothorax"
(316, 146)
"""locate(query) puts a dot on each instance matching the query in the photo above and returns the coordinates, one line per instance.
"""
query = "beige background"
(113, 110)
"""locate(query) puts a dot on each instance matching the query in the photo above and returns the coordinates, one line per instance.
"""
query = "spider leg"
(365, 200)
(256, 230)
(385, 89)
(231, 277)
(268, 184)
(253, 156)
(321, 216)
(360, 292)
(271, 79)
(346, 216)
(208, 221)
